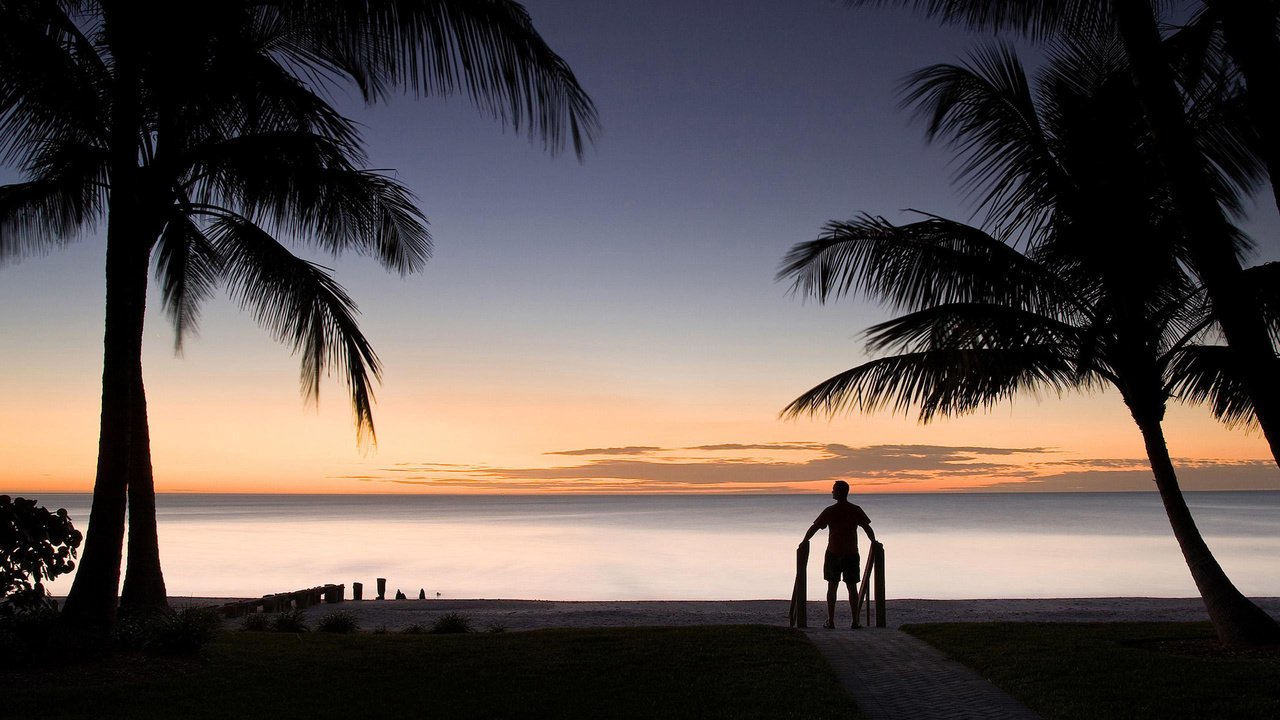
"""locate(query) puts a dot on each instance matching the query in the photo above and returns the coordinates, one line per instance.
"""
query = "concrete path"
(893, 676)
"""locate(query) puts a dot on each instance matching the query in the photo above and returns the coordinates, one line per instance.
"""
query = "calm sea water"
(697, 547)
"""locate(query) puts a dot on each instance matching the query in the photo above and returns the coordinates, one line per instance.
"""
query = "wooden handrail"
(875, 565)
(799, 603)
(872, 575)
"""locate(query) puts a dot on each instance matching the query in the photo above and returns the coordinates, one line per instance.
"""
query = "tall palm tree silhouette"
(201, 133)
(1251, 29)
(1098, 297)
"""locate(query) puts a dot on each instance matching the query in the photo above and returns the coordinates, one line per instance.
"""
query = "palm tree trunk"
(1206, 227)
(1236, 619)
(1250, 29)
(124, 450)
(91, 603)
(144, 590)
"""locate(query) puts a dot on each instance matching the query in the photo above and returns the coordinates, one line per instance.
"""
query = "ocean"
(704, 547)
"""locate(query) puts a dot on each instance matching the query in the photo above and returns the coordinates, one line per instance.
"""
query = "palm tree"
(1190, 180)
(1098, 297)
(1252, 41)
(204, 148)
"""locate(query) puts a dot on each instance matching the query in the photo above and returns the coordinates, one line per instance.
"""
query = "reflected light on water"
(694, 548)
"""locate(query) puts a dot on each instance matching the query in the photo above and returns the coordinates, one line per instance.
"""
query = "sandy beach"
(535, 614)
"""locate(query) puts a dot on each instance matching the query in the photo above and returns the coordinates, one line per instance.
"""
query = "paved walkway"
(893, 676)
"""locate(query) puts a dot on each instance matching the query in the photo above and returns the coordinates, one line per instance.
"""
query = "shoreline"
(511, 614)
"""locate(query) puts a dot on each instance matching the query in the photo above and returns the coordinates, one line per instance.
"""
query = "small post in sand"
(382, 588)
(357, 591)
(799, 601)
(877, 552)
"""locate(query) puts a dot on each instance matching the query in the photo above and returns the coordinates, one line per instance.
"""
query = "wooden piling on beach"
(357, 591)
(382, 588)
(280, 602)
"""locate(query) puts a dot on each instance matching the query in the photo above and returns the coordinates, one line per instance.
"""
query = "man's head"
(840, 490)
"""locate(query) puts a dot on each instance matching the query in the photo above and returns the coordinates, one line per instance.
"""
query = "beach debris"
(422, 594)
(400, 595)
(280, 602)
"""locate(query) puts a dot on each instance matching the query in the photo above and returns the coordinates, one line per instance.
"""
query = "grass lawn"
(1115, 670)
(694, 672)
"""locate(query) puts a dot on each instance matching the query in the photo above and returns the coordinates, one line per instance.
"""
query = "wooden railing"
(873, 575)
(875, 566)
(799, 608)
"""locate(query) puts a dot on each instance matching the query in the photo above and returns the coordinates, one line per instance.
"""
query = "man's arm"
(871, 534)
(813, 529)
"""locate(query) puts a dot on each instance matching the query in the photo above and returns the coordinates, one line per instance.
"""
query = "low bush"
(414, 629)
(26, 638)
(168, 632)
(35, 545)
(451, 623)
(256, 622)
(294, 621)
(338, 621)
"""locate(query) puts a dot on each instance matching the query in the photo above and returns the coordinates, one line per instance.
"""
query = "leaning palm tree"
(1097, 298)
(1194, 203)
(203, 148)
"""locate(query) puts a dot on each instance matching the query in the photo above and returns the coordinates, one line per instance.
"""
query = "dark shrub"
(181, 632)
(338, 621)
(451, 623)
(35, 545)
(256, 622)
(294, 621)
(27, 639)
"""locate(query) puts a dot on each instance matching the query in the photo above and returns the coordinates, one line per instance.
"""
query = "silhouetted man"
(842, 520)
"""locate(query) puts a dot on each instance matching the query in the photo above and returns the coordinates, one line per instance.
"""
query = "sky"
(610, 325)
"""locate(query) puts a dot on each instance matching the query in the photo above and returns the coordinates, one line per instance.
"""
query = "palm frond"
(919, 265)
(51, 76)
(975, 326)
(303, 186)
(52, 210)
(1263, 282)
(938, 382)
(1035, 18)
(189, 268)
(985, 110)
(1211, 374)
(248, 94)
(301, 304)
(488, 49)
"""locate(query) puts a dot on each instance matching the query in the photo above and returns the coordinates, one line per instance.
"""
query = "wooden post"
(382, 588)
(357, 591)
(799, 600)
(877, 552)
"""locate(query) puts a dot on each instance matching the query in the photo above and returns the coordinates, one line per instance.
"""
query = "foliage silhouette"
(1098, 297)
(208, 145)
(35, 545)
(1252, 42)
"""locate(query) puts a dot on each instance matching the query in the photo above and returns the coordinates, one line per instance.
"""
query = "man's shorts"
(833, 566)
